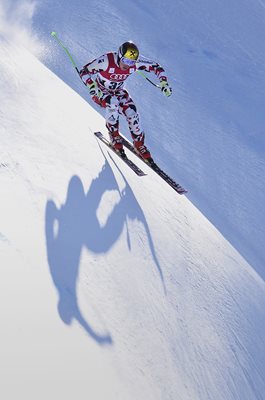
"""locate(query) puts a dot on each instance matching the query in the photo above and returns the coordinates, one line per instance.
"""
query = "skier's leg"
(112, 121)
(129, 110)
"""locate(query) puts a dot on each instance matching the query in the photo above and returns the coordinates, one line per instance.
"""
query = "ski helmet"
(129, 51)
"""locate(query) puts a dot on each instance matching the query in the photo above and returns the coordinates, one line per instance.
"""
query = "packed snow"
(113, 286)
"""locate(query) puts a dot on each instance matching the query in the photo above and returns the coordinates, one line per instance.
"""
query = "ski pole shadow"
(134, 211)
(75, 224)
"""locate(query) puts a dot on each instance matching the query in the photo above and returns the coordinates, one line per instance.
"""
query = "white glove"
(165, 88)
(94, 89)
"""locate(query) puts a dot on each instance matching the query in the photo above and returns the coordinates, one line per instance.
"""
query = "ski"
(176, 186)
(124, 158)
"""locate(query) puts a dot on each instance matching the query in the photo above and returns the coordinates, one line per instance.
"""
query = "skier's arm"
(144, 64)
(89, 70)
(92, 68)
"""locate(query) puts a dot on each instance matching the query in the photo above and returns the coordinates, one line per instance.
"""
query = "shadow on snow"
(74, 225)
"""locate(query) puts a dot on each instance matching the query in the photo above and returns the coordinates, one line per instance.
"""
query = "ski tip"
(53, 33)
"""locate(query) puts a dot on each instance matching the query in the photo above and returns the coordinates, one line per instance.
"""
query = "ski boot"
(116, 142)
(141, 149)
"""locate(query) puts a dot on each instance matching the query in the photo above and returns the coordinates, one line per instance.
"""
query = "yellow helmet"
(128, 50)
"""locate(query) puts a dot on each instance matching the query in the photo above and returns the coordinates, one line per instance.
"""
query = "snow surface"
(113, 286)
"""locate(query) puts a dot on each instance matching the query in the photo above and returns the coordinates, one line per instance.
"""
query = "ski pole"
(149, 80)
(54, 34)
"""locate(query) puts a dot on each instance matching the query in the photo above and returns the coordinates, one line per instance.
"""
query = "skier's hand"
(83, 72)
(94, 89)
(165, 88)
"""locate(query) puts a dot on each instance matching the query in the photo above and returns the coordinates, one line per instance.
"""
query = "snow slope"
(112, 286)
(210, 133)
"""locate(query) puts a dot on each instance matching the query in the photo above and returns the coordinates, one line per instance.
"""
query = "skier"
(105, 77)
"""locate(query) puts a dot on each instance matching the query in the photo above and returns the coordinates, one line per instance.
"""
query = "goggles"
(128, 61)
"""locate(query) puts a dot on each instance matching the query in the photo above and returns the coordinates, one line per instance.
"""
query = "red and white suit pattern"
(110, 79)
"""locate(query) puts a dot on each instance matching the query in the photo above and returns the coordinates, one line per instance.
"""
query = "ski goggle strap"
(128, 61)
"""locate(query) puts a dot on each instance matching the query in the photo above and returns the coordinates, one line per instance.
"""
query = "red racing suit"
(110, 79)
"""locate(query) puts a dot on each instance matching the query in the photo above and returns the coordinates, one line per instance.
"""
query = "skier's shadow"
(74, 225)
